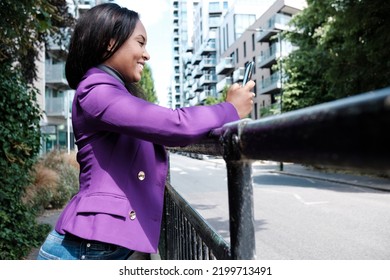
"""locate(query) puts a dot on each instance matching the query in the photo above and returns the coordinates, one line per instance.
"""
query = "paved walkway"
(51, 216)
(368, 181)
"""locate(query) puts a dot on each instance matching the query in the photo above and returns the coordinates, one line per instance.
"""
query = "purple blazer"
(123, 164)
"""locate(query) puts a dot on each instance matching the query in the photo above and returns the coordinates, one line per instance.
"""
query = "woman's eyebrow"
(141, 36)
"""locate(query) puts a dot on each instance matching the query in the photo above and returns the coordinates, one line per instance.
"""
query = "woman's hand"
(241, 97)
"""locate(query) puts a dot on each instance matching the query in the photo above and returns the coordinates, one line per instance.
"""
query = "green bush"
(55, 181)
(20, 142)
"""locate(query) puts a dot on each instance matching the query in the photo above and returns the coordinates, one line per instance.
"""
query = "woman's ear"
(111, 45)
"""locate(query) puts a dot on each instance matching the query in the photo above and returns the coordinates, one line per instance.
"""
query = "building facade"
(225, 36)
(56, 96)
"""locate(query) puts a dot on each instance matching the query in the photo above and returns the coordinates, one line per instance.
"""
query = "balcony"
(209, 47)
(207, 63)
(223, 83)
(196, 86)
(196, 73)
(268, 57)
(275, 24)
(55, 76)
(275, 51)
(189, 95)
(188, 84)
(188, 71)
(226, 66)
(208, 79)
(55, 107)
(216, 8)
(271, 84)
(85, 5)
(206, 93)
(196, 59)
(214, 22)
(238, 75)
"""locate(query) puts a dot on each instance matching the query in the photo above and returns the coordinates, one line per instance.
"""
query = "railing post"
(240, 192)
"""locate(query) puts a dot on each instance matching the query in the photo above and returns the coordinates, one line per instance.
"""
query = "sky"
(155, 16)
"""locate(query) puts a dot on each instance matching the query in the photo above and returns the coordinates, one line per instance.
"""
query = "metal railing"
(350, 133)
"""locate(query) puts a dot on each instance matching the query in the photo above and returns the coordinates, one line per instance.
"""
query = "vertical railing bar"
(185, 238)
(200, 257)
(178, 240)
(179, 235)
(169, 229)
(240, 195)
(240, 192)
(205, 251)
(206, 233)
(176, 232)
(188, 226)
(182, 234)
(188, 237)
(193, 241)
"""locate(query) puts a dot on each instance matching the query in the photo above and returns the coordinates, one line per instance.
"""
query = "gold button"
(141, 175)
(132, 215)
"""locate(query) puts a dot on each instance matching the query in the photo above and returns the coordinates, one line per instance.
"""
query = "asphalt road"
(296, 217)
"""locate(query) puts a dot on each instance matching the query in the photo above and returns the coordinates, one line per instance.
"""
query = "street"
(296, 218)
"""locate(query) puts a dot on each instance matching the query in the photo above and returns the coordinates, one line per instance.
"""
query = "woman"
(121, 139)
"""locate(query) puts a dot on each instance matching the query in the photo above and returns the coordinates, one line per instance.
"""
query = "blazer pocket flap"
(104, 204)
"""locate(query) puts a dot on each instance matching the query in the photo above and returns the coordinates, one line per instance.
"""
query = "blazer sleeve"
(107, 105)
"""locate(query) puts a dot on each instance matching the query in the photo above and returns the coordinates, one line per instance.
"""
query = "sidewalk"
(365, 181)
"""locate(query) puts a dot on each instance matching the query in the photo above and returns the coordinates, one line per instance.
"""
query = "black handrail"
(350, 133)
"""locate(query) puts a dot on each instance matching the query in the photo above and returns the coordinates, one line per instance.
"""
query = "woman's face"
(130, 58)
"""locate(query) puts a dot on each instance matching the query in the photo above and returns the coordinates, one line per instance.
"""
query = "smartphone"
(248, 72)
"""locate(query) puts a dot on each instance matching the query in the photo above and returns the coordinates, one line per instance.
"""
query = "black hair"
(91, 38)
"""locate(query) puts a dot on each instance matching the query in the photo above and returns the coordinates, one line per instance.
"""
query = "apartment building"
(262, 43)
(237, 44)
(226, 35)
(194, 50)
(182, 22)
(56, 96)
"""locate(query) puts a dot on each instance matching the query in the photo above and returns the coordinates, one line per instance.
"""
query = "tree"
(20, 43)
(20, 141)
(147, 85)
(342, 51)
(24, 27)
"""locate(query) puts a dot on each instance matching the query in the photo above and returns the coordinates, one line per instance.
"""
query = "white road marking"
(309, 203)
(299, 198)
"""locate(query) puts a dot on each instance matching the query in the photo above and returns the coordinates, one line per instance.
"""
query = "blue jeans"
(68, 247)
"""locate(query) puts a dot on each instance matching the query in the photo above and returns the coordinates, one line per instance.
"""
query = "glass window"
(241, 23)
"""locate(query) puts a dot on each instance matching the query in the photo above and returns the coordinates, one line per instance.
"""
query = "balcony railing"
(55, 75)
(208, 47)
(206, 93)
(238, 74)
(55, 106)
(226, 66)
(207, 79)
(207, 63)
(275, 24)
(223, 83)
(271, 84)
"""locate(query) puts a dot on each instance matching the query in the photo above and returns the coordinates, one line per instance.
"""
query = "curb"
(339, 181)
